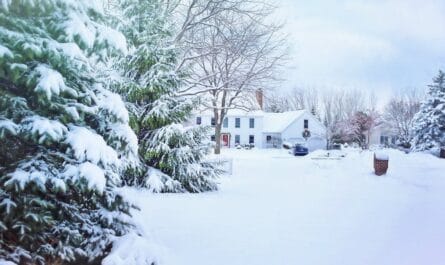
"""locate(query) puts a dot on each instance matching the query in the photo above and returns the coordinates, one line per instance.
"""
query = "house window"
(251, 139)
(212, 122)
(212, 138)
(237, 122)
(237, 139)
(226, 122)
(269, 138)
(251, 123)
(382, 139)
(306, 124)
(198, 120)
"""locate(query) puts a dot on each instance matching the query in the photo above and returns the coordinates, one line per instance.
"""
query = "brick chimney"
(260, 98)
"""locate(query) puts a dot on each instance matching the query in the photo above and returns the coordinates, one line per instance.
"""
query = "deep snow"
(276, 209)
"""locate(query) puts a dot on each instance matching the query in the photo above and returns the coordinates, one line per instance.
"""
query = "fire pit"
(380, 163)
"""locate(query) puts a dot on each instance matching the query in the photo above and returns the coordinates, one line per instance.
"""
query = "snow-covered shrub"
(180, 152)
(64, 136)
(133, 249)
(151, 90)
(429, 123)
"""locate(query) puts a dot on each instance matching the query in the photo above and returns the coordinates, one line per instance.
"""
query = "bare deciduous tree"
(340, 108)
(399, 114)
(332, 113)
(231, 54)
(337, 107)
(297, 98)
(276, 102)
(193, 15)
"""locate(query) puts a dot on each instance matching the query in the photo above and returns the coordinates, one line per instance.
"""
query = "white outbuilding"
(267, 130)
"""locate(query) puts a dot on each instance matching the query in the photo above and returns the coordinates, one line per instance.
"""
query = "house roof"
(234, 112)
(239, 112)
(278, 122)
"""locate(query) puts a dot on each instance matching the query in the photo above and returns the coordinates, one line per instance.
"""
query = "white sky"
(378, 45)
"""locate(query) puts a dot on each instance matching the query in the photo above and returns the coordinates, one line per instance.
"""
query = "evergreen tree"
(429, 123)
(174, 154)
(64, 136)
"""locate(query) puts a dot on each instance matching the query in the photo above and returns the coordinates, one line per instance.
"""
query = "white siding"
(275, 140)
(293, 131)
(244, 131)
(375, 134)
(296, 128)
(378, 132)
(316, 143)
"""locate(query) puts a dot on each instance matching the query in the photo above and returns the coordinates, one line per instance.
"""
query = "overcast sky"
(380, 45)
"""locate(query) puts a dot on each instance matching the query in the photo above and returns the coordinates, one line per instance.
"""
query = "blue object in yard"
(300, 150)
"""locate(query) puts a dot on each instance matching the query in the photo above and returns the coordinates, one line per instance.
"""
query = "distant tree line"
(351, 115)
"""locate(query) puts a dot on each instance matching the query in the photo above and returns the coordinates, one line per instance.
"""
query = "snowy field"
(276, 209)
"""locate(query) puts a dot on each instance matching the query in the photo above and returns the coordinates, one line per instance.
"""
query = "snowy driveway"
(277, 209)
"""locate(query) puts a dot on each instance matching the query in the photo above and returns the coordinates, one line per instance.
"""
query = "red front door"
(225, 138)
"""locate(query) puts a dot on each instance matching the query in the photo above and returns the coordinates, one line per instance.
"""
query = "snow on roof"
(278, 122)
(234, 112)
(239, 112)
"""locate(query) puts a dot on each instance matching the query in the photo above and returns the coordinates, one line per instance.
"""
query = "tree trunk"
(218, 138)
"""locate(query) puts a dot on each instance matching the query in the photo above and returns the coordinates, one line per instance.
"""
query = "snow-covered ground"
(276, 209)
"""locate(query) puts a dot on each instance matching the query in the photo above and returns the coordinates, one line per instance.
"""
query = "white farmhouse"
(267, 130)
(383, 135)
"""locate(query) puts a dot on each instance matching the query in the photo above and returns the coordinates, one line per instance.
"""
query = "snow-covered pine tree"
(174, 154)
(64, 137)
(429, 123)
